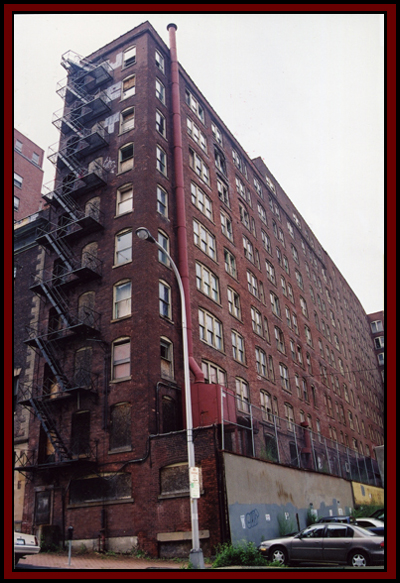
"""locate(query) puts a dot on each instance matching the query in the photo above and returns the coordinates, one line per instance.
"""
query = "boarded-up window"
(80, 433)
(166, 353)
(174, 479)
(86, 313)
(120, 426)
(42, 508)
(92, 208)
(100, 488)
(128, 87)
(169, 414)
(82, 367)
(89, 256)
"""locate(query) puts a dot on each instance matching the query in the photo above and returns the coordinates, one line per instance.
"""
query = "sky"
(303, 91)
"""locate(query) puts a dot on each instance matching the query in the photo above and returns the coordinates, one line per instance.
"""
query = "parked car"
(372, 524)
(338, 518)
(379, 514)
(327, 543)
(24, 544)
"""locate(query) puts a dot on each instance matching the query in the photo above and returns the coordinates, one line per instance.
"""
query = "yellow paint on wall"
(367, 495)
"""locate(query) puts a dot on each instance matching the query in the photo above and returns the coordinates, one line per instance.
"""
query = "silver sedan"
(327, 543)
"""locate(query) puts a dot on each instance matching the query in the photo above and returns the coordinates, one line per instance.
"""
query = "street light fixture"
(196, 554)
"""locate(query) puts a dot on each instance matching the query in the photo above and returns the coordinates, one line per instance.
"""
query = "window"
(121, 359)
(223, 192)
(16, 203)
(230, 263)
(261, 362)
(207, 282)
(125, 158)
(194, 105)
(252, 284)
(164, 296)
(261, 213)
(234, 303)
(128, 87)
(307, 332)
(270, 272)
(35, 158)
(166, 356)
(122, 299)
(194, 132)
(299, 279)
(220, 163)
(248, 249)
(290, 293)
(379, 342)
(160, 124)
(242, 394)
(256, 321)
(375, 326)
(160, 61)
(244, 216)
(162, 201)
(241, 190)
(295, 254)
(102, 487)
(226, 225)
(303, 306)
(201, 201)
(18, 146)
(163, 240)
(17, 180)
(381, 359)
(275, 304)
(266, 242)
(123, 247)
(280, 341)
(210, 329)
(216, 132)
(213, 373)
(160, 91)
(82, 367)
(129, 57)
(161, 163)
(238, 347)
(289, 415)
(266, 406)
(197, 164)
(124, 199)
(120, 426)
(204, 240)
(258, 188)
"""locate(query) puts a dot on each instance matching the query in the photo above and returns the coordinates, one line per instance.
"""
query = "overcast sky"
(303, 91)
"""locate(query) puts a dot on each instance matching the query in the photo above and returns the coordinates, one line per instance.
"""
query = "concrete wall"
(365, 495)
(260, 495)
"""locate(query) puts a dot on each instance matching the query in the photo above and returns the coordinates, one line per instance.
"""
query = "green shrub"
(243, 554)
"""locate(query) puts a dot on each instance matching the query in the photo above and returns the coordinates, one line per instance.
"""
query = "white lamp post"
(196, 554)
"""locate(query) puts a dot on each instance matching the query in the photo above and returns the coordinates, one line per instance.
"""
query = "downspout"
(183, 262)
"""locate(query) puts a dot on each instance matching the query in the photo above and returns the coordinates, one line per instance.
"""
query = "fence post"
(277, 440)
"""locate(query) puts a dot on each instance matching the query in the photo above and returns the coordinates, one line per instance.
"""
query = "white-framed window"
(216, 132)
(160, 91)
(234, 303)
(275, 306)
(252, 284)
(161, 163)
(299, 279)
(381, 358)
(167, 358)
(163, 240)
(128, 87)
(244, 216)
(195, 132)
(160, 124)
(237, 160)
(123, 247)
(160, 62)
(261, 362)
(197, 164)
(219, 158)
(290, 293)
(242, 394)
(290, 229)
(266, 241)
(376, 326)
(270, 271)
(162, 201)
(18, 145)
(194, 105)
(207, 282)
(262, 213)
(295, 324)
(121, 359)
(248, 249)
(242, 191)
(16, 203)
(238, 351)
(129, 57)
(256, 321)
(303, 307)
(127, 120)
(18, 180)
(213, 373)
(223, 192)
(122, 299)
(284, 374)
(295, 254)
(379, 342)
(204, 240)
(307, 332)
(164, 296)
(35, 158)
(257, 186)
(281, 237)
(280, 340)
(201, 200)
(210, 329)
(125, 158)
(230, 263)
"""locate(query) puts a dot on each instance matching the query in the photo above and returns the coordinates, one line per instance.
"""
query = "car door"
(307, 546)
(337, 543)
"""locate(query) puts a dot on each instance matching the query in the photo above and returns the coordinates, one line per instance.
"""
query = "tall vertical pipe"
(183, 262)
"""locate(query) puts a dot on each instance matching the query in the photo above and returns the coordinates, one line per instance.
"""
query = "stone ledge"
(176, 536)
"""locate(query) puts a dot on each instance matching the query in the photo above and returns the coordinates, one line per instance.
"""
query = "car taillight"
(382, 544)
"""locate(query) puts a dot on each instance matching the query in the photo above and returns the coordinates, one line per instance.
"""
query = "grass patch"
(244, 554)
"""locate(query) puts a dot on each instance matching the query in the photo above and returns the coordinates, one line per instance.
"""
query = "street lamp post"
(196, 554)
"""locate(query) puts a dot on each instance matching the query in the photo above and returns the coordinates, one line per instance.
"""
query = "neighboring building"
(377, 323)
(281, 358)
(28, 176)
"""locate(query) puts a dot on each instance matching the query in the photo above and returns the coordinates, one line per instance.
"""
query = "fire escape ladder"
(62, 250)
(69, 205)
(44, 415)
(53, 362)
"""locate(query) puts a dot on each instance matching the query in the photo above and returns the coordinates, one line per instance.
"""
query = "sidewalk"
(97, 561)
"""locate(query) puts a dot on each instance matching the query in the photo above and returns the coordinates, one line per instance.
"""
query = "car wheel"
(278, 555)
(358, 559)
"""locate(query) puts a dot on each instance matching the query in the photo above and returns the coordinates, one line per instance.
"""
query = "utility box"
(212, 404)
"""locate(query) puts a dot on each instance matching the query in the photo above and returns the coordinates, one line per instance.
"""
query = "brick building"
(278, 342)
(28, 176)
(377, 323)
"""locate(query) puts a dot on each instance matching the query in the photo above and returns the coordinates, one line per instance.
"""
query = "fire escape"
(78, 172)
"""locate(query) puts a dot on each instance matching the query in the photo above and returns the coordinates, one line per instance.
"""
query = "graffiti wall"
(266, 500)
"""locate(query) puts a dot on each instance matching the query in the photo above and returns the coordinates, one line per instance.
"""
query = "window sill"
(115, 381)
